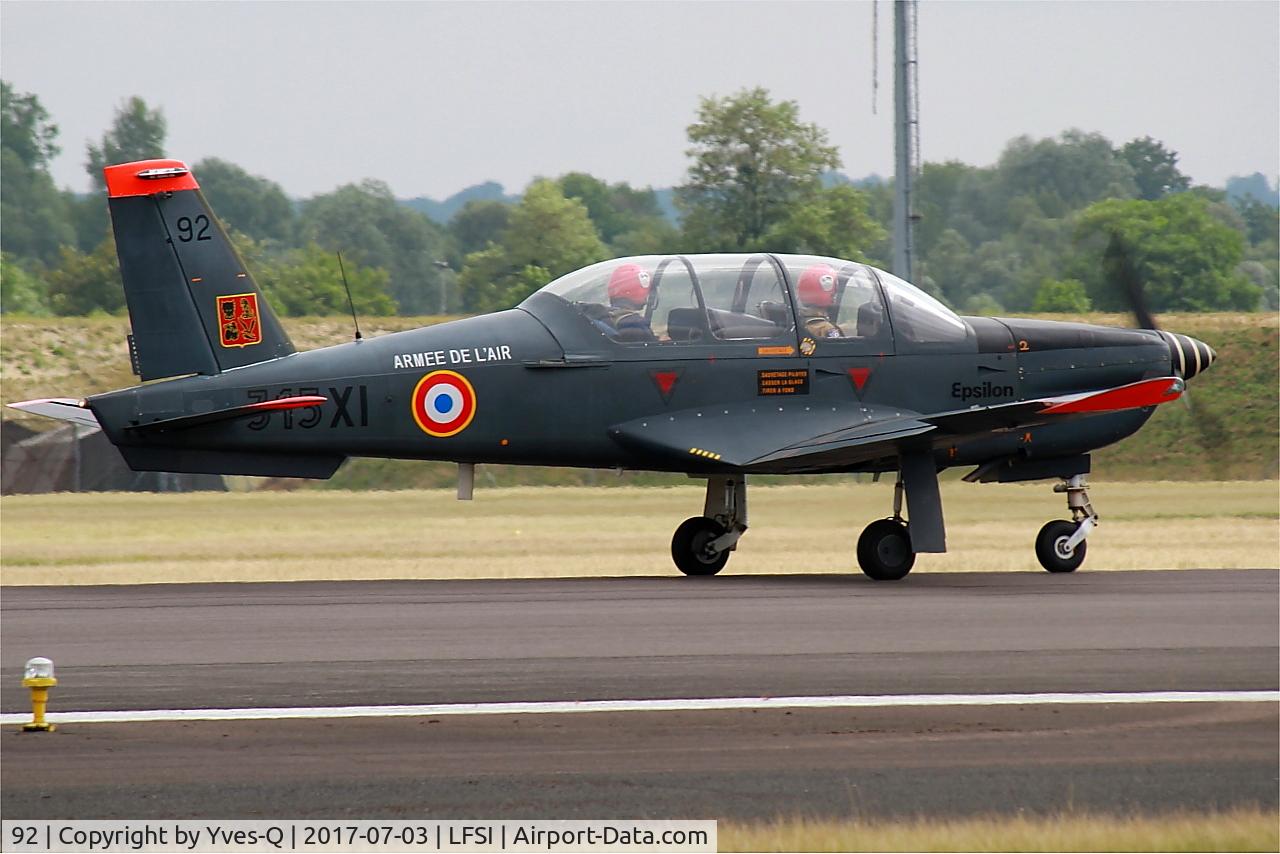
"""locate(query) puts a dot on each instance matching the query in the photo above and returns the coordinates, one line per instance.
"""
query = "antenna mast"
(906, 122)
(350, 302)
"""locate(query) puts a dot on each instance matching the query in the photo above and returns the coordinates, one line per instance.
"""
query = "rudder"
(193, 305)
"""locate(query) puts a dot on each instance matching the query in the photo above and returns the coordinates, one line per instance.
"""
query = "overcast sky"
(433, 97)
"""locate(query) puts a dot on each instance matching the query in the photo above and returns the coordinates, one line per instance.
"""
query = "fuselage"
(545, 399)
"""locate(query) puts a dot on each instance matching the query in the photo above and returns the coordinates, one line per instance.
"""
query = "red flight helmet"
(817, 286)
(629, 282)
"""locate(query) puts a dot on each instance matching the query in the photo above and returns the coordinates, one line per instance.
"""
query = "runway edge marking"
(685, 705)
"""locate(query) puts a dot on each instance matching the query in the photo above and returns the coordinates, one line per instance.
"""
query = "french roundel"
(443, 403)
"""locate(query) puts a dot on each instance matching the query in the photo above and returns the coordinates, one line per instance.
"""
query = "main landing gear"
(701, 544)
(1060, 545)
(884, 549)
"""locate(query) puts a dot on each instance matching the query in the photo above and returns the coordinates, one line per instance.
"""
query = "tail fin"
(193, 306)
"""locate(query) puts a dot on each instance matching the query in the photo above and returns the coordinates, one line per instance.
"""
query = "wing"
(792, 436)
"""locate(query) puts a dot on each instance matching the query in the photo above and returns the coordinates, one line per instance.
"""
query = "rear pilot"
(817, 291)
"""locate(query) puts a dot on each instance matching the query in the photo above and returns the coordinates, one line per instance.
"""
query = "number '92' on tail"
(194, 307)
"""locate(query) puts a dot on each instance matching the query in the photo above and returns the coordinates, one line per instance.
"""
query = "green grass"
(578, 531)
(1244, 829)
(1228, 432)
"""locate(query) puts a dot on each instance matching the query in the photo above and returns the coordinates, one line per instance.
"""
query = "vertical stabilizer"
(193, 306)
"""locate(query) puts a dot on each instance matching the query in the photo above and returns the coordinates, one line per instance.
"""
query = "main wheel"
(884, 550)
(1051, 547)
(690, 547)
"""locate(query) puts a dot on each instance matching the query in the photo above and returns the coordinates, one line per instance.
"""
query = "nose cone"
(1189, 356)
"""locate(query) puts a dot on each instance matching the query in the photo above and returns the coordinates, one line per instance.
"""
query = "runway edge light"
(38, 676)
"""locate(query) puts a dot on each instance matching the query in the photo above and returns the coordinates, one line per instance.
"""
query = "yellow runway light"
(38, 676)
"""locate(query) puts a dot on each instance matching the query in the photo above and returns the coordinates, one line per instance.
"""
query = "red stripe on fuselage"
(1133, 396)
(288, 403)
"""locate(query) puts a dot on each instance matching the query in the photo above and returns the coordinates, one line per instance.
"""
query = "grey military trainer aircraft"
(717, 366)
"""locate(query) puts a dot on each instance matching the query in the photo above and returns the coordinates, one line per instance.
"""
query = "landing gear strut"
(701, 544)
(1060, 545)
(884, 549)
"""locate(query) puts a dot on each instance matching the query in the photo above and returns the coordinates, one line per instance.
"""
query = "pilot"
(817, 290)
(628, 295)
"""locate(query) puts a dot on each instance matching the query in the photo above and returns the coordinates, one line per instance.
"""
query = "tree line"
(1029, 233)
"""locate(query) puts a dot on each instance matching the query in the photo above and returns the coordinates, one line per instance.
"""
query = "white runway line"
(712, 704)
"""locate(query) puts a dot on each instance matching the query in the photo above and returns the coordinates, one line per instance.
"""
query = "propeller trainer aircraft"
(718, 366)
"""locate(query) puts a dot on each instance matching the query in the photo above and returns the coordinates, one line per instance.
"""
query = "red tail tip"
(146, 177)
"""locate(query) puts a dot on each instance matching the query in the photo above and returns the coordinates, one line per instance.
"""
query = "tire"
(884, 550)
(1049, 544)
(688, 546)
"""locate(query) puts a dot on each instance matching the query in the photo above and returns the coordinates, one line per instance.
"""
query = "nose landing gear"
(1060, 545)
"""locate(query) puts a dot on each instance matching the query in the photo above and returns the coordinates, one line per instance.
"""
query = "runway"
(450, 642)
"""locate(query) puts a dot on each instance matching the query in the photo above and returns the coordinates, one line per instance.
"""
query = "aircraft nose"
(1189, 355)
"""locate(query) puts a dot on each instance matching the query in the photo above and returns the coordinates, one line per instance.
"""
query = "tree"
(649, 237)
(25, 128)
(548, 236)
(615, 209)
(309, 281)
(833, 222)
(479, 223)
(935, 192)
(1256, 185)
(948, 265)
(752, 160)
(20, 292)
(248, 203)
(1065, 174)
(367, 225)
(1065, 296)
(86, 282)
(1261, 220)
(137, 133)
(35, 216)
(1185, 259)
(1155, 168)
(1046, 178)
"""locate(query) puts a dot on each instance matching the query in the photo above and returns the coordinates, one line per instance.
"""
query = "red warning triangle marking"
(666, 382)
(859, 377)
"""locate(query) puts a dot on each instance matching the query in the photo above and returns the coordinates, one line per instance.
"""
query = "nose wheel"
(1054, 549)
(1060, 545)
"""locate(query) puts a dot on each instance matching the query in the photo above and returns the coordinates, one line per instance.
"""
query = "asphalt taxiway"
(447, 642)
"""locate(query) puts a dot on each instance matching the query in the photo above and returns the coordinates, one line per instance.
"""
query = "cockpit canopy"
(663, 301)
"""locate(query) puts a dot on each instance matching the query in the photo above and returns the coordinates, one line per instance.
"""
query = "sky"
(434, 97)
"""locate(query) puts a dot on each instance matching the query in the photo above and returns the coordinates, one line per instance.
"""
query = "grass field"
(578, 531)
(1234, 830)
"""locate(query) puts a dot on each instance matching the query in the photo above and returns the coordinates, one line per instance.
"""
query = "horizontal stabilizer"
(61, 408)
(182, 422)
